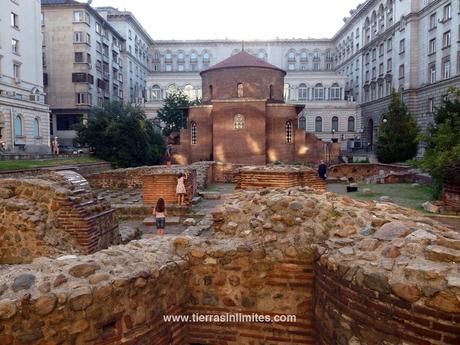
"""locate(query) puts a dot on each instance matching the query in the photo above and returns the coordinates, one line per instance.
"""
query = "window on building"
(446, 68)
(316, 66)
(16, 71)
(381, 69)
(289, 132)
(433, 21)
(194, 137)
(389, 44)
(15, 46)
(302, 122)
(335, 92)
(303, 92)
(335, 124)
(432, 73)
(168, 67)
(18, 126)
(381, 49)
(238, 121)
(291, 67)
(446, 40)
(67, 122)
(318, 92)
(83, 98)
(431, 105)
(78, 37)
(78, 57)
(303, 56)
(14, 20)
(318, 124)
(180, 57)
(193, 58)
(389, 65)
(401, 71)
(240, 90)
(261, 55)
(36, 127)
(432, 46)
(206, 58)
(180, 68)
(402, 46)
(351, 124)
(447, 12)
(291, 56)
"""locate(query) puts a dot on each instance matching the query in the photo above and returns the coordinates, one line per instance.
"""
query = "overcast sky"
(237, 19)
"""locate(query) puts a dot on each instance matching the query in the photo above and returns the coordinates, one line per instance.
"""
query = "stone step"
(151, 221)
(210, 195)
(196, 200)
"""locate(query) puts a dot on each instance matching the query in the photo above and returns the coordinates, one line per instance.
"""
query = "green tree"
(397, 140)
(172, 114)
(443, 142)
(123, 135)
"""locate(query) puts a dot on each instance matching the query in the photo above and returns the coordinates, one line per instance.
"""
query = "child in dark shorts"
(160, 216)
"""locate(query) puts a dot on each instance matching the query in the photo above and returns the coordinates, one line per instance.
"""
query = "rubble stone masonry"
(352, 272)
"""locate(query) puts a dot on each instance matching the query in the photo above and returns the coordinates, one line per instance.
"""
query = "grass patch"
(30, 164)
(402, 194)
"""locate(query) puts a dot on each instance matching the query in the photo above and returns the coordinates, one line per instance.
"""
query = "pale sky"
(237, 19)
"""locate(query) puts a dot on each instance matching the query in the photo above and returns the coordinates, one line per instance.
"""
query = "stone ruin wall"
(131, 178)
(51, 215)
(353, 272)
(361, 171)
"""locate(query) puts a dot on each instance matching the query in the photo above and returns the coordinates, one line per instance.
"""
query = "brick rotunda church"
(243, 118)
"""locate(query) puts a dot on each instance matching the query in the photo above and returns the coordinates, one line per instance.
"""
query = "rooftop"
(242, 59)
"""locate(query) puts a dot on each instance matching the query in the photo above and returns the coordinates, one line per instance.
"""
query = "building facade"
(243, 118)
(137, 57)
(24, 116)
(409, 46)
(310, 80)
(83, 64)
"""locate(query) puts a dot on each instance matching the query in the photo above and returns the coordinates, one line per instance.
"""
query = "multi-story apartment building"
(82, 60)
(310, 80)
(137, 55)
(24, 116)
(409, 46)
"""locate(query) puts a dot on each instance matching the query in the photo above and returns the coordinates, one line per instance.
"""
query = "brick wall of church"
(242, 146)
(202, 150)
(256, 82)
(278, 149)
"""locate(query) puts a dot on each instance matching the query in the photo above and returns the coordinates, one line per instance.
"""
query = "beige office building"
(24, 116)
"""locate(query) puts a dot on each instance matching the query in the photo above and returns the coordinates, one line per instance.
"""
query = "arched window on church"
(210, 92)
(289, 132)
(194, 133)
(335, 124)
(351, 124)
(302, 122)
(240, 90)
(238, 121)
(318, 124)
(271, 91)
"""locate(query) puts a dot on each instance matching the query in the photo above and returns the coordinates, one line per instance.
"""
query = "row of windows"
(19, 127)
(239, 124)
(334, 123)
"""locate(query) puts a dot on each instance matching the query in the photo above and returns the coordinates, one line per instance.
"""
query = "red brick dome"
(242, 59)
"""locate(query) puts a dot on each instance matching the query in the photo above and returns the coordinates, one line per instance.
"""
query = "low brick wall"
(345, 311)
(162, 184)
(361, 171)
(47, 217)
(278, 177)
(451, 195)
(225, 172)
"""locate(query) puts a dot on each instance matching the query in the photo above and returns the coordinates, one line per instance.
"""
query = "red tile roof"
(243, 59)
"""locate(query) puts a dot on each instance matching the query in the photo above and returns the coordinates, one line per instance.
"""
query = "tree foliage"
(443, 142)
(397, 140)
(172, 114)
(123, 135)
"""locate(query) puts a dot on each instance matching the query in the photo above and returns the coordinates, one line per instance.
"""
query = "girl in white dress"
(180, 188)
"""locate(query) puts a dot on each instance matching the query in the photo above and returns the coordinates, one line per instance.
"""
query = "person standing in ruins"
(159, 212)
(322, 170)
(181, 191)
(55, 145)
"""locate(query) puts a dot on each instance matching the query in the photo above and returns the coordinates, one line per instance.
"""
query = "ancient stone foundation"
(52, 214)
(362, 171)
(351, 272)
(278, 177)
